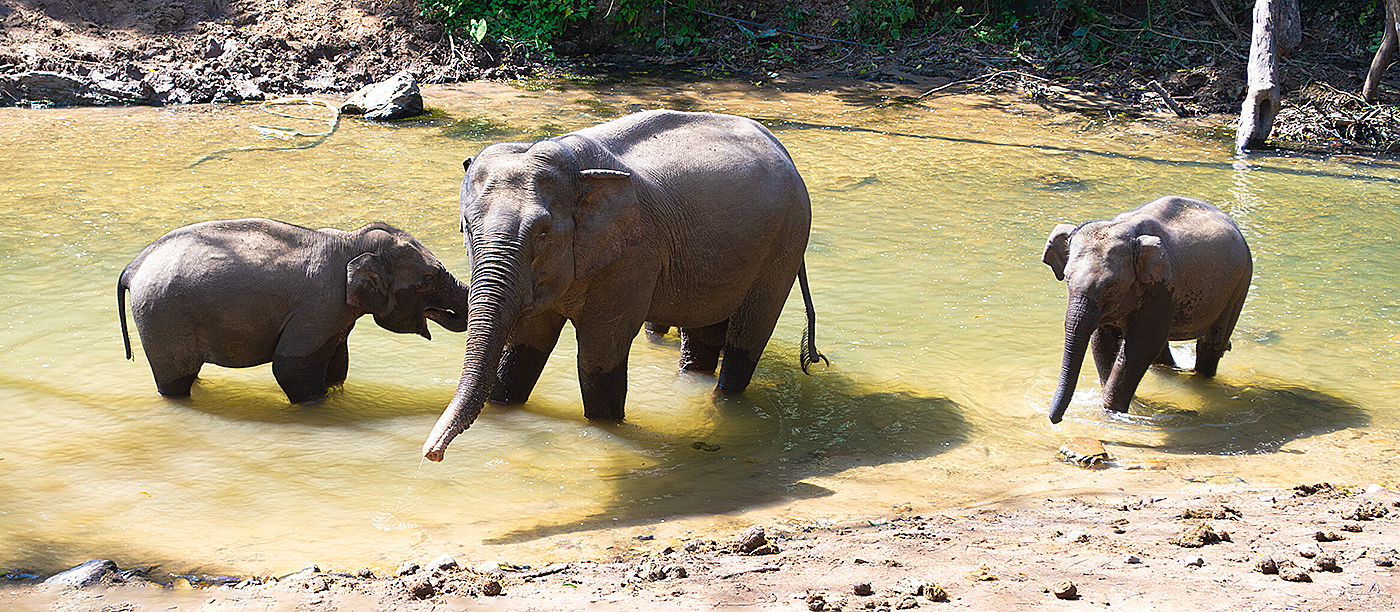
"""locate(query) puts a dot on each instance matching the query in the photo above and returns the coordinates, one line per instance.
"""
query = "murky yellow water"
(943, 327)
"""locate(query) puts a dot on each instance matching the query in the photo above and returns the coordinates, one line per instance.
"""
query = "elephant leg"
(1106, 343)
(174, 379)
(1143, 339)
(1165, 357)
(303, 376)
(525, 356)
(339, 366)
(602, 365)
(751, 326)
(1212, 346)
(701, 346)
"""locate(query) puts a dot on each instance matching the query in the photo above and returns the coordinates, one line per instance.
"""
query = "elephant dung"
(1084, 452)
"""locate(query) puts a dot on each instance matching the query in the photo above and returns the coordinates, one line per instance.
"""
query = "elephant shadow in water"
(262, 401)
(1225, 419)
(762, 445)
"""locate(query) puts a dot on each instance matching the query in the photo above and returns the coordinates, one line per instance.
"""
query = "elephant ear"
(607, 221)
(366, 284)
(1057, 249)
(1152, 263)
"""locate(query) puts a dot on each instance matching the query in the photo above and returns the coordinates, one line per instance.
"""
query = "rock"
(1352, 527)
(1309, 550)
(364, 573)
(491, 588)
(1386, 559)
(907, 603)
(1194, 561)
(656, 568)
(489, 567)
(1084, 452)
(1366, 511)
(862, 588)
(1065, 590)
(1293, 573)
(406, 568)
(395, 98)
(816, 602)
(420, 586)
(935, 593)
(694, 546)
(754, 542)
(1325, 563)
(443, 562)
(1266, 565)
(1198, 536)
(1327, 536)
(83, 575)
(1132, 559)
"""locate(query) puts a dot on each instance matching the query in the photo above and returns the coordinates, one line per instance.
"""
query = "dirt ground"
(1331, 548)
(114, 52)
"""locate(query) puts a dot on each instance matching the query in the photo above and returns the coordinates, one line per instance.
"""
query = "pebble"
(1309, 550)
(1194, 561)
(491, 588)
(1325, 563)
(1132, 559)
(1066, 590)
(862, 588)
(487, 567)
(420, 586)
(1266, 565)
(406, 568)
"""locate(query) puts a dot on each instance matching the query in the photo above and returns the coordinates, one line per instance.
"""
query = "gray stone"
(84, 575)
(395, 98)
(443, 561)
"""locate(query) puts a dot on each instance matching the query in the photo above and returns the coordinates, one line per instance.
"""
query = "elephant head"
(398, 281)
(536, 221)
(1106, 267)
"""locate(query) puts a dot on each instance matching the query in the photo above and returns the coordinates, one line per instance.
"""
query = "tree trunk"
(1262, 102)
(1381, 61)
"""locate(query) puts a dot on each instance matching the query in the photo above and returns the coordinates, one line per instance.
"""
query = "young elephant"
(689, 220)
(245, 292)
(1175, 269)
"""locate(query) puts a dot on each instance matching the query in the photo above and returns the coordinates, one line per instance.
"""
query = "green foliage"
(534, 23)
(875, 21)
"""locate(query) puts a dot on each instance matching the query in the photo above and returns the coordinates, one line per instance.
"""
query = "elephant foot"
(604, 393)
(177, 387)
(737, 371)
(519, 371)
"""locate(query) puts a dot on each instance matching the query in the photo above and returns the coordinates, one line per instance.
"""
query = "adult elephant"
(1175, 269)
(246, 292)
(691, 220)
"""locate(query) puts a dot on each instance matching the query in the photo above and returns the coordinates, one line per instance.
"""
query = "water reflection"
(792, 431)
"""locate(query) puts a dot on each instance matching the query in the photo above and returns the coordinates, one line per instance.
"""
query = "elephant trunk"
(1081, 319)
(495, 301)
(454, 294)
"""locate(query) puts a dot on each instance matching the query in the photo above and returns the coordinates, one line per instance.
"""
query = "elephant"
(1175, 269)
(690, 220)
(245, 292)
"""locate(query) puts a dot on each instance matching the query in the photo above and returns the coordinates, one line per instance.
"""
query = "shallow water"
(943, 328)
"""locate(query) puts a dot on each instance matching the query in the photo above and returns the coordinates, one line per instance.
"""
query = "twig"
(990, 75)
(1166, 97)
(753, 570)
(1225, 19)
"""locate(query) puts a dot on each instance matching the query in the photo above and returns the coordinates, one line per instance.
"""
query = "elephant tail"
(808, 354)
(123, 283)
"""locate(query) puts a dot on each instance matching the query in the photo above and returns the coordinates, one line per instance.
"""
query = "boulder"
(395, 98)
(84, 575)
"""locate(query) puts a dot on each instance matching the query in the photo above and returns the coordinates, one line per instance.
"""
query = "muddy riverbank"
(1201, 546)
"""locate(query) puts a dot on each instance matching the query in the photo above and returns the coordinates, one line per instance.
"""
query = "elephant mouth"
(449, 319)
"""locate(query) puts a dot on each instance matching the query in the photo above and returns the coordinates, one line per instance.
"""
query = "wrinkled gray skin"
(1175, 269)
(691, 220)
(245, 292)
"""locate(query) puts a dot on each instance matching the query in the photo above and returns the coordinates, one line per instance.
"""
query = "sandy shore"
(1334, 547)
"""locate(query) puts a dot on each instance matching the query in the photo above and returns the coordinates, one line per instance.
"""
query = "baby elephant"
(245, 292)
(1175, 269)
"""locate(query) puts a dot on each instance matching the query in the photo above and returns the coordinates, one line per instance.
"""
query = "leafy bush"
(534, 23)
